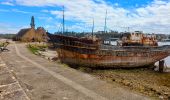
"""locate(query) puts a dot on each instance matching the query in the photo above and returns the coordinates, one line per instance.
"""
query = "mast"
(93, 29)
(105, 27)
(63, 21)
(128, 29)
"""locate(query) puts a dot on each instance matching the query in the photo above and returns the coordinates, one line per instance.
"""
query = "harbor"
(84, 50)
(135, 62)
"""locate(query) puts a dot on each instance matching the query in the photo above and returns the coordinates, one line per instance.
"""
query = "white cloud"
(45, 11)
(84, 11)
(7, 3)
(48, 19)
(41, 2)
(153, 17)
(10, 28)
(16, 10)
(21, 11)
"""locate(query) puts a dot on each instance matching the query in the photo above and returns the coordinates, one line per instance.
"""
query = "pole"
(105, 23)
(93, 29)
(161, 66)
(128, 29)
(63, 21)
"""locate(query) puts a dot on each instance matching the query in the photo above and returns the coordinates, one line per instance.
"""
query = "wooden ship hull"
(111, 58)
(84, 52)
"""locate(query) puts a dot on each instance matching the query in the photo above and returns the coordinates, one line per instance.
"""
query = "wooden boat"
(89, 52)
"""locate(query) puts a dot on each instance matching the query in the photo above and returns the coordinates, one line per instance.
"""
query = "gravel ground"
(146, 81)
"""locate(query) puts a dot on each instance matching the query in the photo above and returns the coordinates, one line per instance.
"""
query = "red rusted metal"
(85, 52)
(138, 38)
(116, 61)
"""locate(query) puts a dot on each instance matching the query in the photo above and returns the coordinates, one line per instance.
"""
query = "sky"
(149, 16)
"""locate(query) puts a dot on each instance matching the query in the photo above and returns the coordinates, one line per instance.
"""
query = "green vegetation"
(99, 34)
(34, 48)
(7, 36)
(1, 44)
(110, 34)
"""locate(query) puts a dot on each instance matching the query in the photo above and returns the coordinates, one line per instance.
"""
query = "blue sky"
(151, 16)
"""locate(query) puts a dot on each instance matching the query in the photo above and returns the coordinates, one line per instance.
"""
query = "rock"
(113, 80)
(65, 98)
(37, 53)
(168, 97)
(161, 97)
(125, 82)
(166, 93)
(55, 58)
(50, 58)
(46, 58)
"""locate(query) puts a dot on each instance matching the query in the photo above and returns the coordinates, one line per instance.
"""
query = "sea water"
(167, 59)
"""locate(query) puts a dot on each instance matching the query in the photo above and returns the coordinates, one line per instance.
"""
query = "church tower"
(32, 22)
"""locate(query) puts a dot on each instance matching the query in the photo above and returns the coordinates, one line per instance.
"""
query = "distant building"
(31, 34)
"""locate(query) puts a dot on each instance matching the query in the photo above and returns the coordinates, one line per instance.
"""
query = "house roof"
(22, 32)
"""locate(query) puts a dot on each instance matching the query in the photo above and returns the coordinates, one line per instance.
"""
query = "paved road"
(10, 88)
(44, 80)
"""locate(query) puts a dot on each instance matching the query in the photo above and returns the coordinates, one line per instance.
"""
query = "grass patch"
(34, 48)
(1, 44)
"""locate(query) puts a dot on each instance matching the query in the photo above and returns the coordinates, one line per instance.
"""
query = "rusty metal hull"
(111, 59)
(92, 53)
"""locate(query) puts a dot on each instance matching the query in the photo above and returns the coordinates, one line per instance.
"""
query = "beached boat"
(133, 50)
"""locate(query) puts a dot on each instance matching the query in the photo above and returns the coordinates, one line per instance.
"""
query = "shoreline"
(142, 80)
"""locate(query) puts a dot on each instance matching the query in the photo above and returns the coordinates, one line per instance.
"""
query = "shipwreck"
(133, 50)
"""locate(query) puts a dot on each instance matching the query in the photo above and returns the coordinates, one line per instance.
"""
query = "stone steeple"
(32, 22)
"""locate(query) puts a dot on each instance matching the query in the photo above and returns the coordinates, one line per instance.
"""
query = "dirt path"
(44, 80)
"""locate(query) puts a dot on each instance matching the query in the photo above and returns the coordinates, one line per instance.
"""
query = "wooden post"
(161, 66)
(109, 42)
